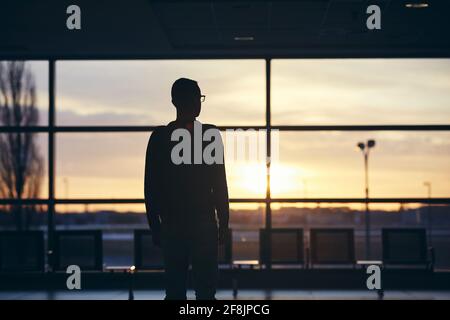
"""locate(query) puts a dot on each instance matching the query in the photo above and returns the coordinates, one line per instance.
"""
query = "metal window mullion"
(51, 163)
(289, 128)
(268, 221)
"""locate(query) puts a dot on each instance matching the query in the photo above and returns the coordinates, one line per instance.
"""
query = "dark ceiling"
(202, 29)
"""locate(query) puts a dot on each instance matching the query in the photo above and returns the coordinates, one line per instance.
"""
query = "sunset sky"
(311, 164)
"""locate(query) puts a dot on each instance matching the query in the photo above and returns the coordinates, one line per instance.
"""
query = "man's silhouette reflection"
(187, 204)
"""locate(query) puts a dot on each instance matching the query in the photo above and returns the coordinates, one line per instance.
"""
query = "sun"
(284, 179)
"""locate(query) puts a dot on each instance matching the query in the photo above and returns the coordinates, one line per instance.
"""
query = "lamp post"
(365, 149)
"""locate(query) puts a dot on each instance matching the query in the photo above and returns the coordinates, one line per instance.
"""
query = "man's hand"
(223, 233)
(156, 238)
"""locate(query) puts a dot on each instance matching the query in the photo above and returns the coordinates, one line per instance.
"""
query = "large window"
(92, 156)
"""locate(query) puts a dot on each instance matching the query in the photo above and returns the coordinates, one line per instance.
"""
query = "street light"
(365, 148)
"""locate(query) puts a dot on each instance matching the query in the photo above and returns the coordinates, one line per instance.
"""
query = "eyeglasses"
(202, 98)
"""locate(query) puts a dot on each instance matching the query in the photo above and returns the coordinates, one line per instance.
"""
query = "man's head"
(186, 97)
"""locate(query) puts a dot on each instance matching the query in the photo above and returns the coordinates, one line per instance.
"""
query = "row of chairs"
(24, 251)
(400, 247)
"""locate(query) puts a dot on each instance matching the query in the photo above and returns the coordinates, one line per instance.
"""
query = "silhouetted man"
(187, 204)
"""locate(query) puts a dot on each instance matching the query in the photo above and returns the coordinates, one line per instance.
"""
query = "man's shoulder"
(158, 135)
(159, 131)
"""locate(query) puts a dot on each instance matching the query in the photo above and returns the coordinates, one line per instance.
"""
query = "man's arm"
(220, 190)
(152, 182)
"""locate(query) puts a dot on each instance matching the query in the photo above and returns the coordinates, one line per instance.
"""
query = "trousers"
(190, 245)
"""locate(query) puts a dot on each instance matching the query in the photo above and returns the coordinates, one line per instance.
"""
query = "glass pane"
(328, 164)
(111, 165)
(361, 91)
(30, 217)
(23, 237)
(138, 92)
(245, 154)
(33, 93)
(24, 159)
(435, 219)
(117, 223)
(245, 221)
(100, 165)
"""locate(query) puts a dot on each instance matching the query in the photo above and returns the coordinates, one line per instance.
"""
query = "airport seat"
(22, 251)
(147, 256)
(407, 248)
(286, 246)
(78, 247)
(278, 247)
(332, 247)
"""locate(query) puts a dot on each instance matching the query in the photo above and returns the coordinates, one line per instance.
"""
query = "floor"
(227, 295)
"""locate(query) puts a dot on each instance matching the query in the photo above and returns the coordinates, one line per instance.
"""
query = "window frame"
(51, 129)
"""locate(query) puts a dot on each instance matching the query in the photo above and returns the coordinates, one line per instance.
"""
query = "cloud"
(71, 118)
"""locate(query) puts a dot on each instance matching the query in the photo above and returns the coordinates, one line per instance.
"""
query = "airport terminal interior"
(353, 204)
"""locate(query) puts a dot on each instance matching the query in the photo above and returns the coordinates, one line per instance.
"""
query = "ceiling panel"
(114, 28)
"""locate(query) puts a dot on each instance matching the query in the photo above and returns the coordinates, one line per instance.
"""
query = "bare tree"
(21, 165)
